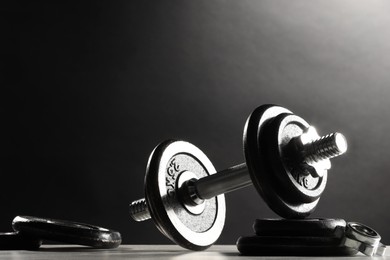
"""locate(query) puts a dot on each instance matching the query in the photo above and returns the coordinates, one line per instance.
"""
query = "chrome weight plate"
(294, 181)
(170, 165)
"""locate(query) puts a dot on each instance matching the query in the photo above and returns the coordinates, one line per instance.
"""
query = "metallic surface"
(290, 186)
(199, 207)
(381, 250)
(224, 181)
(294, 180)
(287, 162)
(188, 194)
(324, 148)
(364, 239)
(314, 149)
(260, 167)
(67, 232)
(308, 148)
(362, 233)
(366, 249)
(167, 162)
(139, 210)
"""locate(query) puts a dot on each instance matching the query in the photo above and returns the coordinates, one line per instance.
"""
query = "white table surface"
(215, 252)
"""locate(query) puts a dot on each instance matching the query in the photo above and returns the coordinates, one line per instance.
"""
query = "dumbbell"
(286, 160)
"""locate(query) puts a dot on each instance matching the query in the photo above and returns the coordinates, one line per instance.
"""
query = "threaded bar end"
(326, 147)
(139, 210)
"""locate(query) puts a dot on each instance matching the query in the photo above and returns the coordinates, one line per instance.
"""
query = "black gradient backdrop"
(88, 89)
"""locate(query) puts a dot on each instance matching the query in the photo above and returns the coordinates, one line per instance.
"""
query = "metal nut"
(366, 249)
(364, 239)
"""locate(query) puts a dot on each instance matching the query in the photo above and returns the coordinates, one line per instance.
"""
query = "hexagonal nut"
(364, 248)
(381, 250)
(362, 233)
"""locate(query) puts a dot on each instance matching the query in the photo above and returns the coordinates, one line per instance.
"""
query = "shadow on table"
(71, 249)
(134, 252)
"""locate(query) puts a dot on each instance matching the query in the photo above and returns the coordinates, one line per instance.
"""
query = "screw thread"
(139, 210)
(326, 147)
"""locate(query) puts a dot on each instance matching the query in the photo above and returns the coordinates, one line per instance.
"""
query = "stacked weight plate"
(288, 237)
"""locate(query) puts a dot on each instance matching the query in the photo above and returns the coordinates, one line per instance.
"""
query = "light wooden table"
(216, 252)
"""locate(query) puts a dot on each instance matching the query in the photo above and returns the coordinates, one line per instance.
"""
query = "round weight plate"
(195, 229)
(299, 227)
(294, 183)
(16, 241)
(293, 246)
(67, 232)
(259, 166)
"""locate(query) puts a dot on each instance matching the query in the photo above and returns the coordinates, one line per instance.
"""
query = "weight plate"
(260, 168)
(16, 241)
(296, 240)
(67, 232)
(293, 246)
(171, 164)
(295, 183)
(300, 227)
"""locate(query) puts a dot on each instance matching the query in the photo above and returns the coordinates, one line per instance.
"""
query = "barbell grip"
(224, 181)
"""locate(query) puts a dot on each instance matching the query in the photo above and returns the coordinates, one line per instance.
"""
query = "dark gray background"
(88, 90)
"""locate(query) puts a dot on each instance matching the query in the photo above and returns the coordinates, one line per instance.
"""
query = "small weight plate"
(260, 167)
(16, 241)
(171, 164)
(294, 183)
(67, 232)
(292, 246)
(300, 227)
